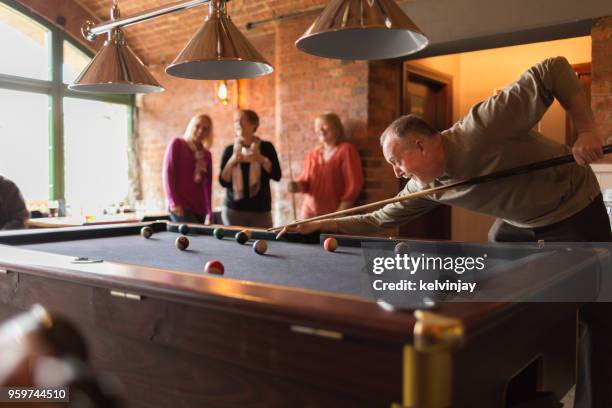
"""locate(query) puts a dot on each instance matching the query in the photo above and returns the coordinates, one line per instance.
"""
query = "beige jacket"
(498, 134)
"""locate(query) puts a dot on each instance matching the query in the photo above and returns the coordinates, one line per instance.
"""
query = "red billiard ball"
(330, 244)
(182, 243)
(215, 267)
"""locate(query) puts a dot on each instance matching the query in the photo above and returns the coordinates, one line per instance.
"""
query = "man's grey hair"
(406, 125)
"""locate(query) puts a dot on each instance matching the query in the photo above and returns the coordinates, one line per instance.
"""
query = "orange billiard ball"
(330, 244)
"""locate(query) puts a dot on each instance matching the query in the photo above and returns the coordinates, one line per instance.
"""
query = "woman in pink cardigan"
(331, 176)
(187, 173)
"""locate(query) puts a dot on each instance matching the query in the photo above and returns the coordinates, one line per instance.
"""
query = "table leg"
(428, 362)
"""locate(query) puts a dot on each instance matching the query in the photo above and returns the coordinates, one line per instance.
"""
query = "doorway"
(427, 94)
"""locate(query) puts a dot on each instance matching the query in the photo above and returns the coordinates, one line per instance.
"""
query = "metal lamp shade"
(362, 30)
(116, 69)
(218, 50)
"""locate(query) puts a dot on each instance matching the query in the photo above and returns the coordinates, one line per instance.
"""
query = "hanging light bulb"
(223, 93)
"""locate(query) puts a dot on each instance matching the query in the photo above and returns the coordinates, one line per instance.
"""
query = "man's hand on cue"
(588, 146)
(310, 227)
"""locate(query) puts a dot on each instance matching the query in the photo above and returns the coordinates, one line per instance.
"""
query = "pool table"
(298, 326)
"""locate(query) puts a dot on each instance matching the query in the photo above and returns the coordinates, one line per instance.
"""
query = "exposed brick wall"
(384, 93)
(308, 86)
(287, 101)
(384, 106)
(365, 95)
(164, 115)
(601, 85)
(302, 86)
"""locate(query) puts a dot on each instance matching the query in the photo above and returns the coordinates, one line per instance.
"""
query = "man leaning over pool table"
(562, 203)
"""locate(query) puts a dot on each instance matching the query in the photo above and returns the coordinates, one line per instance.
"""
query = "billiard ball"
(260, 247)
(241, 237)
(182, 243)
(183, 229)
(146, 232)
(330, 244)
(248, 233)
(402, 248)
(219, 233)
(215, 267)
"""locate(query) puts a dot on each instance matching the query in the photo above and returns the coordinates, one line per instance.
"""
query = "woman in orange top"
(331, 175)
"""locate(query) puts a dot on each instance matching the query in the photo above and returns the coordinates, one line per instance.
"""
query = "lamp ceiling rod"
(91, 31)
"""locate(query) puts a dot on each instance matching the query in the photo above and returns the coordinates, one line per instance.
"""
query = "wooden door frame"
(431, 75)
(443, 213)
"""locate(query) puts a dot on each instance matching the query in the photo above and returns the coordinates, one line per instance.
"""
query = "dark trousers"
(594, 385)
(188, 216)
(254, 219)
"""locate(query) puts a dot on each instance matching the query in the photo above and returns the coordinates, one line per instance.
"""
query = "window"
(56, 144)
(74, 62)
(96, 161)
(24, 142)
(25, 45)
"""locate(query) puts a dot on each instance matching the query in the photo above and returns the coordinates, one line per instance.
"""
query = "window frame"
(57, 91)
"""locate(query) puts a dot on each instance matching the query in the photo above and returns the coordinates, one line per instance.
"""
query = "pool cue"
(290, 174)
(514, 171)
(291, 178)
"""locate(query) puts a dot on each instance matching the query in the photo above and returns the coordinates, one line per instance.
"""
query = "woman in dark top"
(247, 167)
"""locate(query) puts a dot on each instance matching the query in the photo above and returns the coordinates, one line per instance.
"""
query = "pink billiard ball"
(330, 244)
(215, 267)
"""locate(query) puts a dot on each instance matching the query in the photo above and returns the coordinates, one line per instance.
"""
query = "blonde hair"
(335, 123)
(190, 129)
